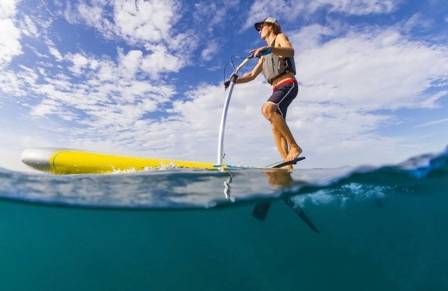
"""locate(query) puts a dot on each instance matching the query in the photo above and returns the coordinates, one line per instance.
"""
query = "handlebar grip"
(262, 53)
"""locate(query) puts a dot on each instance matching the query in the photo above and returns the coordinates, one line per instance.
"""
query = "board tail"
(285, 163)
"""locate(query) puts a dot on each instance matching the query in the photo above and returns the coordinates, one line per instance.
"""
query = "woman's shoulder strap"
(273, 41)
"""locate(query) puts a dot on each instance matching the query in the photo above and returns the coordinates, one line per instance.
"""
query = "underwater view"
(313, 229)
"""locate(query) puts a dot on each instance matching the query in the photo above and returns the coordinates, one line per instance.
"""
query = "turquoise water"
(374, 229)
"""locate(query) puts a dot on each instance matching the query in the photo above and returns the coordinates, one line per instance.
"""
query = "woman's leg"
(280, 142)
(270, 112)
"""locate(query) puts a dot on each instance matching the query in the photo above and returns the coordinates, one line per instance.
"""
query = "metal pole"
(220, 156)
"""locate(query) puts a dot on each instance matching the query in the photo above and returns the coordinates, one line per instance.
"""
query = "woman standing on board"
(277, 64)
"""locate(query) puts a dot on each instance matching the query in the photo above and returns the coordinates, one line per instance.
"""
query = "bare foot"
(293, 153)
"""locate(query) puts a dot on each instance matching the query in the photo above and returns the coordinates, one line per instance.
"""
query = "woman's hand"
(227, 82)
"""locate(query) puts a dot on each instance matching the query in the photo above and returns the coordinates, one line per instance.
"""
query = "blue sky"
(145, 78)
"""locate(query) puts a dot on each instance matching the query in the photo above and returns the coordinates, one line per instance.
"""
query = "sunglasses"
(260, 27)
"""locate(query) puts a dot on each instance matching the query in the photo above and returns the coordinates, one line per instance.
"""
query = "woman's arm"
(252, 74)
(284, 48)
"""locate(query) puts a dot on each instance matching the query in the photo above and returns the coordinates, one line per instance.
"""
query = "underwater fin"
(301, 213)
(260, 210)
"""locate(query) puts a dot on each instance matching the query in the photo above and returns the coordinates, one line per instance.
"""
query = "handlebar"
(264, 52)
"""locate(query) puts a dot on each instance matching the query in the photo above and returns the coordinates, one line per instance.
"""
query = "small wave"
(419, 175)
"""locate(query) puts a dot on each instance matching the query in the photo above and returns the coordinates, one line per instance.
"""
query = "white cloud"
(28, 27)
(108, 102)
(130, 62)
(314, 35)
(357, 7)
(281, 9)
(95, 15)
(417, 21)
(145, 20)
(209, 51)
(78, 62)
(371, 69)
(161, 61)
(210, 14)
(149, 23)
(9, 84)
(434, 122)
(9, 33)
(289, 10)
(8, 8)
(55, 53)
(135, 21)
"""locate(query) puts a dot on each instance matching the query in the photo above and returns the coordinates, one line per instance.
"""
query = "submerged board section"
(69, 161)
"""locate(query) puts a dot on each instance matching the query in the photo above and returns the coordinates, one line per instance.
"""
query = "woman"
(277, 64)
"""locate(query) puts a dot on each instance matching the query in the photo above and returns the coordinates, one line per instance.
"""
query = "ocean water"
(313, 229)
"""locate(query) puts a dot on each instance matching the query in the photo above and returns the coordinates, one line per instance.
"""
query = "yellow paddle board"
(67, 161)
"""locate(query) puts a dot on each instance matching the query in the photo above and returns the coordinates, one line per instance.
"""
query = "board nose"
(37, 158)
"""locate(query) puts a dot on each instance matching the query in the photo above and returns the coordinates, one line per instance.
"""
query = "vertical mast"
(220, 156)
